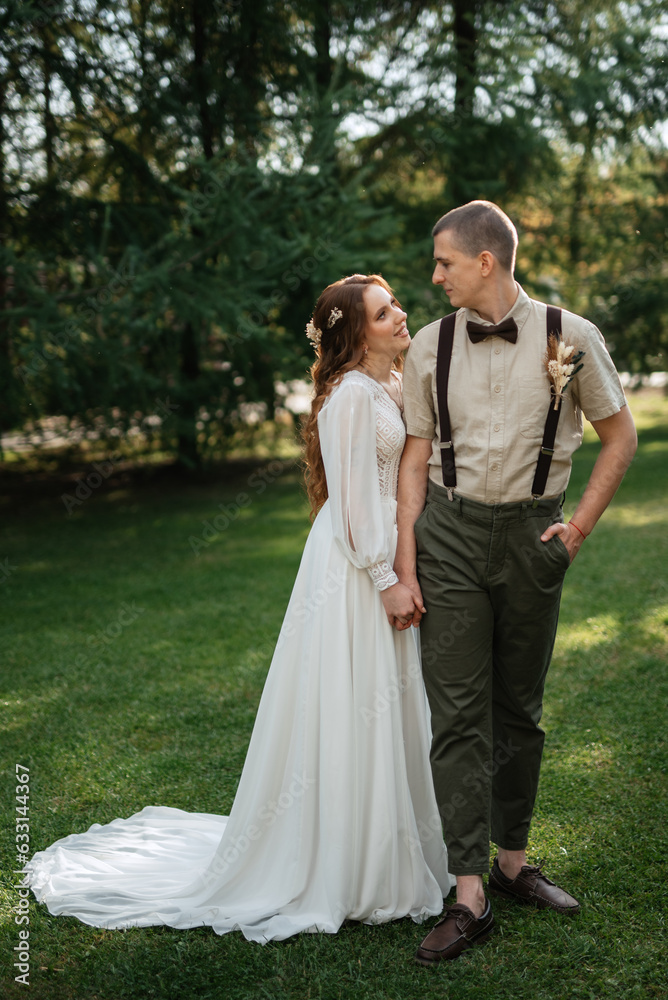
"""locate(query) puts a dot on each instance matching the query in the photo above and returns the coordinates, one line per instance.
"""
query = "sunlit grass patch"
(590, 633)
(160, 711)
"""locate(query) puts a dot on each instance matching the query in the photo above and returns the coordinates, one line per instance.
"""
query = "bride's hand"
(400, 606)
(412, 583)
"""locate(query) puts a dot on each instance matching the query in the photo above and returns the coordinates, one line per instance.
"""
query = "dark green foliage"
(178, 182)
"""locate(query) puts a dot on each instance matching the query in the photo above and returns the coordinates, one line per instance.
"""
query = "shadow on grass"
(167, 717)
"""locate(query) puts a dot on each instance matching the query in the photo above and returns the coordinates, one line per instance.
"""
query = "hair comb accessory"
(313, 332)
(335, 315)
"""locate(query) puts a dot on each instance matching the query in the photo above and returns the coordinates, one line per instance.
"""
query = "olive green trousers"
(492, 591)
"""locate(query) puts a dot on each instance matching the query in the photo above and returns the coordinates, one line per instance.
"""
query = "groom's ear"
(487, 262)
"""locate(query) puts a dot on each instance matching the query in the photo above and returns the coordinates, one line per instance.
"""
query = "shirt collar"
(519, 310)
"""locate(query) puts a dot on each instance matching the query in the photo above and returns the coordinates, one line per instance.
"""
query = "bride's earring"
(366, 350)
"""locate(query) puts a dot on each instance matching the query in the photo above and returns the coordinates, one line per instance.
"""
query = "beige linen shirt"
(498, 397)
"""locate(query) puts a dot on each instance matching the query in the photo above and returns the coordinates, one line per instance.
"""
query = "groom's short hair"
(478, 226)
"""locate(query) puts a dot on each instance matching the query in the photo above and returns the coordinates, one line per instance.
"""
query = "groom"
(482, 539)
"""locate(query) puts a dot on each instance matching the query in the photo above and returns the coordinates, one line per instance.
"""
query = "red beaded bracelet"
(572, 524)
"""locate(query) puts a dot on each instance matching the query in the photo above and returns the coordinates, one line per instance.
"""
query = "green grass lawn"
(131, 672)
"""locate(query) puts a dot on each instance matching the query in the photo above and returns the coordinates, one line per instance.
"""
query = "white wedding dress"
(335, 816)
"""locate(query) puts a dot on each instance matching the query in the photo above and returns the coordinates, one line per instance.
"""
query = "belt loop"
(523, 512)
(563, 498)
(459, 507)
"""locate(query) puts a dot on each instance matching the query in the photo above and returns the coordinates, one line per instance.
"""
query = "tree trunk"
(5, 344)
(322, 38)
(188, 452)
(189, 363)
(465, 45)
(49, 122)
(246, 120)
(324, 125)
(578, 206)
(200, 76)
(143, 100)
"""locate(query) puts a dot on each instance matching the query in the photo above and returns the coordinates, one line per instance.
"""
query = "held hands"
(403, 606)
(569, 534)
(403, 602)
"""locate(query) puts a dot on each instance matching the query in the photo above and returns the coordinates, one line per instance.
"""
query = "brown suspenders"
(443, 358)
(547, 447)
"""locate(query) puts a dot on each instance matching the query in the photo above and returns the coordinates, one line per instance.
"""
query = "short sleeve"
(596, 388)
(418, 382)
(347, 430)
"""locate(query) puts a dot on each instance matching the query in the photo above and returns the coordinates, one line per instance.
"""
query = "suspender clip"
(546, 451)
(446, 444)
(449, 491)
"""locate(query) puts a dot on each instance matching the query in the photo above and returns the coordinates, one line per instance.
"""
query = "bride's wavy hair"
(339, 350)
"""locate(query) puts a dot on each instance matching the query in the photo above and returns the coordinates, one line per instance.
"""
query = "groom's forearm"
(411, 495)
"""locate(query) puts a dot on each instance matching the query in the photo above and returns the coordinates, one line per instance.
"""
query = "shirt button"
(494, 467)
(497, 427)
(497, 388)
(498, 350)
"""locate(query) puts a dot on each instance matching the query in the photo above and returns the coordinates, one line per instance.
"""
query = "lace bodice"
(390, 433)
(362, 436)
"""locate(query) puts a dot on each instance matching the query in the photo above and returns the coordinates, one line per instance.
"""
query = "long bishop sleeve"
(347, 429)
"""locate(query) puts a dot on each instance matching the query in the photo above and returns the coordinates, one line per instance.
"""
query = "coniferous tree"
(178, 181)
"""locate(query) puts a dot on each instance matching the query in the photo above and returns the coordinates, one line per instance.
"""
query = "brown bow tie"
(507, 329)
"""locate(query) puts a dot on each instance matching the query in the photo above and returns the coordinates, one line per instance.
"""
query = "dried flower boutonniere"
(563, 362)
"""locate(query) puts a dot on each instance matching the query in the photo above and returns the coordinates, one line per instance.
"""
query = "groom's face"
(459, 275)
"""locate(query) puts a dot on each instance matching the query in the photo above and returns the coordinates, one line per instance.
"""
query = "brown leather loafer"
(531, 886)
(457, 931)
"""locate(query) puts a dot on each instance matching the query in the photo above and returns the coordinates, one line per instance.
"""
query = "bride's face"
(385, 332)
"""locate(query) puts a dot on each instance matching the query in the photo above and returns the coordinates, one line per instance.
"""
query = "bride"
(335, 816)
